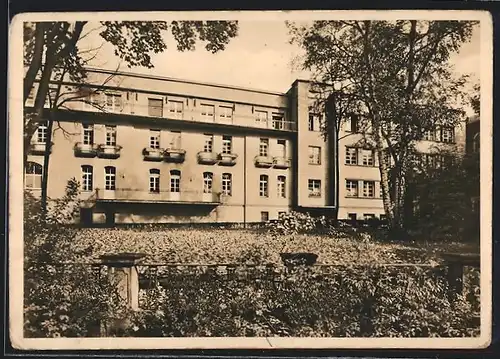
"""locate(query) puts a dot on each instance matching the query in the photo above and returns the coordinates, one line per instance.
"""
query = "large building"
(152, 149)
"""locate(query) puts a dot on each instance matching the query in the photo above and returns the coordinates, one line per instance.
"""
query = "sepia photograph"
(257, 179)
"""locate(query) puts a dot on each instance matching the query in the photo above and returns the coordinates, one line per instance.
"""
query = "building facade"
(151, 150)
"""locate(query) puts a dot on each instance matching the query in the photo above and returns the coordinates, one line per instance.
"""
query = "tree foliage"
(399, 76)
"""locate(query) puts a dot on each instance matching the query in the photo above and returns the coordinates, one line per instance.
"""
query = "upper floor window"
(430, 135)
(264, 186)
(226, 113)
(209, 143)
(175, 109)
(87, 178)
(88, 134)
(155, 107)
(227, 184)
(351, 156)
(207, 112)
(314, 122)
(278, 121)
(208, 178)
(110, 178)
(227, 144)
(154, 139)
(261, 118)
(368, 157)
(33, 175)
(314, 155)
(110, 135)
(175, 181)
(314, 187)
(447, 134)
(41, 132)
(175, 139)
(351, 187)
(281, 149)
(113, 102)
(369, 189)
(154, 180)
(264, 147)
(351, 124)
(281, 186)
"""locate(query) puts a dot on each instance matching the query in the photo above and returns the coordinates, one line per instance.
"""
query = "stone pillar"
(122, 271)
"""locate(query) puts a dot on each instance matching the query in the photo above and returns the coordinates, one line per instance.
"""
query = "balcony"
(127, 195)
(281, 162)
(85, 150)
(153, 154)
(38, 148)
(175, 155)
(263, 161)
(207, 158)
(108, 151)
(227, 159)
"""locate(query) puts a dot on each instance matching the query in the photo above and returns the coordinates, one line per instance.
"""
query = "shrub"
(294, 223)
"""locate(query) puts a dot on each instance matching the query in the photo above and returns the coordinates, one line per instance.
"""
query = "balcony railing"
(137, 195)
(281, 162)
(227, 159)
(207, 158)
(38, 148)
(175, 155)
(153, 154)
(108, 151)
(263, 161)
(85, 149)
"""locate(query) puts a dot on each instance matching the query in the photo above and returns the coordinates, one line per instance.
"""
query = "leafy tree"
(475, 100)
(399, 73)
(51, 54)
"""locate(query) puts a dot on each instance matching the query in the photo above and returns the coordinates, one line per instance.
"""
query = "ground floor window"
(264, 216)
(33, 177)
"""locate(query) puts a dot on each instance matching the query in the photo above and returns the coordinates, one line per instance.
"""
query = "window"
(33, 176)
(226, 114)
(209, 142)
(155, 107)
(227, 146)
(314, 155)
(175, 181)
(264, 186)
(382, 217)
(88, 134)
(278, 121)
(41, 133)
(368, 216)
(154, 180)
(476, 143)
(264, 147)
(351, 156)
(264, 216)
(314, 188)
(351, 124)
(31, 95)
(447, 135)
(207, 182)
(261, 118)
(314, 122)
(430, 135)
(113, 102)
(87, 178)
(110, 135)
(352, 216)
(366, 125)
(207, 112)
(175, 140)
(154, 139)
(110, 178)
(281, 186)
(369, 189)
(281, 214)
(281, 149)
(175, 109)
(368, 157)
(227, 184)
(351, 187)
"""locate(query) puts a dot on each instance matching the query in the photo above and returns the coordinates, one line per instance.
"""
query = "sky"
(260, 57)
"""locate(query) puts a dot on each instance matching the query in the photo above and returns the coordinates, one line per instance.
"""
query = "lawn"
(211, 246)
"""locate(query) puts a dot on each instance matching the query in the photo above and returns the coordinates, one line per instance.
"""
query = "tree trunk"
(45, 172)
(36, 61)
